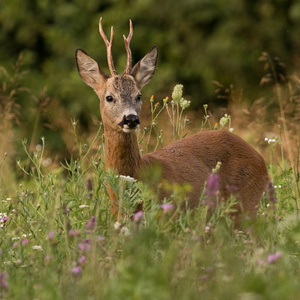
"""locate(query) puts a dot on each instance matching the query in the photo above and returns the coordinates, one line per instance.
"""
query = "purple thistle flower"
(77, 270)
(91, 223)
(261, 262)
(100, 238)
(137, 216)
(166, 207)
(24, 242)
(51, 235)
(212, 185)
(3, 282)
(81, 246)
(15, 245)
(82, 260)
(85, 245)
(72, 232)
(273, 257)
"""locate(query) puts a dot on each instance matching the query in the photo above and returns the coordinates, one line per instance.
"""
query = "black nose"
(131, 121)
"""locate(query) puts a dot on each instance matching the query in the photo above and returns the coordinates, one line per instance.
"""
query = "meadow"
(59, 241)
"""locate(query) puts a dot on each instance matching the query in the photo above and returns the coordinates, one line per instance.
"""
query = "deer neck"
(122, 152)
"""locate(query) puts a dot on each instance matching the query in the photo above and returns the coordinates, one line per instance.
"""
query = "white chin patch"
(126, 128)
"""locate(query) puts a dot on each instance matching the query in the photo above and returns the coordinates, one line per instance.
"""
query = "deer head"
(120, 95)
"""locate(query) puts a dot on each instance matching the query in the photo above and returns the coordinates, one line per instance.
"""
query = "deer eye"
(109, 98)
(139, 98)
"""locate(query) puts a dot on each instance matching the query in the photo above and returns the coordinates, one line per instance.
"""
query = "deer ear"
(144, 70)
(89, 70)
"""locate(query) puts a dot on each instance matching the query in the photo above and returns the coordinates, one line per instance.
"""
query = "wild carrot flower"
(37, 247)
(127, 178)
(117, 225)
(83, 206)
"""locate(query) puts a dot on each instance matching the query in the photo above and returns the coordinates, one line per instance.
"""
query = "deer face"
(120, 96)
(120, 103)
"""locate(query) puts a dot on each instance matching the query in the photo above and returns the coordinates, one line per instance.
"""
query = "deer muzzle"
(130, 123)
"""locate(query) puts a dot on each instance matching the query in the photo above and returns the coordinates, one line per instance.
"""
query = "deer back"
(192, 159)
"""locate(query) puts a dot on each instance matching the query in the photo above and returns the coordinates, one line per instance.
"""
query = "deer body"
(189, 160)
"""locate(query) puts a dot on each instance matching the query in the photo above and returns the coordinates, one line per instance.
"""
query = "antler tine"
(128, 51)
(108, 47)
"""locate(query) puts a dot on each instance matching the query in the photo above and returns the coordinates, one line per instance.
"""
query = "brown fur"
(189, 160)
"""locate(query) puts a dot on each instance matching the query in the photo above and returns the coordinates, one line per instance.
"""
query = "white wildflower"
(38, 147)
(127, 178)
(184, 103)
(37, 247)
(117, 225)
(83, 206)
(126, 231)
(177, 93)
(224, 120)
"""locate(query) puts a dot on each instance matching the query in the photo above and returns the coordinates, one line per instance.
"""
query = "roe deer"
(190, 159)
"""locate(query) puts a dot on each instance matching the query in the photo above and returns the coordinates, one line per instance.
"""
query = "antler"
(128, 51)
(108, 47)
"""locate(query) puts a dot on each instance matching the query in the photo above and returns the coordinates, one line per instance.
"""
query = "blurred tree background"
(199, 41)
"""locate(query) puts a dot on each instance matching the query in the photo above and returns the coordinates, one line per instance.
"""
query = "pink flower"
(273, 257)
(3, 282)
(137, 216)
(166, 207)
(73, 232)
(261, 262)
(91, 223)
(100, 238)
(81, 246)
(51, 235)
(76, 270)
(85, 245)
(212, 185)
(82, 260)
(24, 242)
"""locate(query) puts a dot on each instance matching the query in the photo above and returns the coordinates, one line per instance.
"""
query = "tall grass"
(59, 241)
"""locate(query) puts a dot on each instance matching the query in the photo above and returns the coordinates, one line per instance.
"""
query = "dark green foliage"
(199, 41)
